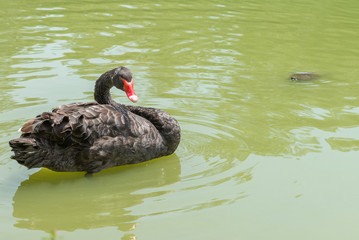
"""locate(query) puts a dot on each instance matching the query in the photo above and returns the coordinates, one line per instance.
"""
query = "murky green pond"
(261, 157)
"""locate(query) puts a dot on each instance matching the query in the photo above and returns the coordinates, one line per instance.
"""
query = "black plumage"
(97, 135)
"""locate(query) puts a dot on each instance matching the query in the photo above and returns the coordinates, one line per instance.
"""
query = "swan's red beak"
(128, 88)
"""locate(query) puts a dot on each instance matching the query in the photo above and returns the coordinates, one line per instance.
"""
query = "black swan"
(97, 135)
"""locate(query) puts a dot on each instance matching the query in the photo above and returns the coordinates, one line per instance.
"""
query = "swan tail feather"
(26, 152)
(32, 153)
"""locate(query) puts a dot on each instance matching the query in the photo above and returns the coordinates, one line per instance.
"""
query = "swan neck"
(102, 89)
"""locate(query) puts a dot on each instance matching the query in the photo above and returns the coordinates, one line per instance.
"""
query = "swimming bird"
(97, 135)
(304, 76)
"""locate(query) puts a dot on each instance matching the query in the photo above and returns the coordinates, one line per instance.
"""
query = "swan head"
(123, 80)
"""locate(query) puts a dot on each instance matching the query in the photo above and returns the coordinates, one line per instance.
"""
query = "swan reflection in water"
(69, 201)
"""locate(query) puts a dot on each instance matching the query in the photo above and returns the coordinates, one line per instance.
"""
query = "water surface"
(261, 157)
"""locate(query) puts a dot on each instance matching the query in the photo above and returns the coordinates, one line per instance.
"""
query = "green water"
(261, 157)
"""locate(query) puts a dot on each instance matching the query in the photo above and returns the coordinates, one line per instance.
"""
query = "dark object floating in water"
(97, 135)
(304, 76)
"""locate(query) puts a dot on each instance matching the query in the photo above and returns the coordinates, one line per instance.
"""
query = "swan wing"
(80, 123)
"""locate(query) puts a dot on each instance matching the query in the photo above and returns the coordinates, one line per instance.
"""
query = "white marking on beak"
(133, 98)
